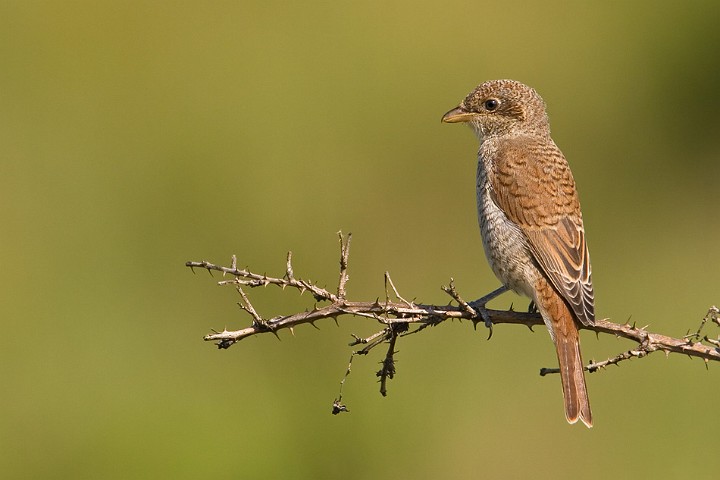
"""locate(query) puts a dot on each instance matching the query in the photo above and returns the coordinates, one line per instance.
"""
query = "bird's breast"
(506, 248)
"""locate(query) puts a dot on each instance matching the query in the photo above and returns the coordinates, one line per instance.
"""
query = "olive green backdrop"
(135, 136)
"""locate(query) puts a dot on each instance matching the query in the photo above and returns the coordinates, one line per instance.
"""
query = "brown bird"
(530, 220)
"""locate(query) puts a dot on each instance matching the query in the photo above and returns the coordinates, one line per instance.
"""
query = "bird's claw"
(532, 308)
(485, 316)
(479, 306)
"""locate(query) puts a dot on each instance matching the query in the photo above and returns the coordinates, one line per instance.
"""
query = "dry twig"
(397, 317)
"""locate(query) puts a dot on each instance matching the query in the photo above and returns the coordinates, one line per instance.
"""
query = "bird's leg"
(479, 305)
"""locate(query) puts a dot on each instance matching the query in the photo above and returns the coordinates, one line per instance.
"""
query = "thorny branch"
(397, 316)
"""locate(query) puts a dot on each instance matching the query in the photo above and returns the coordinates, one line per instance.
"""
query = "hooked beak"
(457, 115)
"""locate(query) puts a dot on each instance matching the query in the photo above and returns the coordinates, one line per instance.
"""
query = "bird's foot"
(532, 308)
(482, 312)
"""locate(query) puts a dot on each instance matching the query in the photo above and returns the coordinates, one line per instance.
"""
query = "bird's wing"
(532, 184)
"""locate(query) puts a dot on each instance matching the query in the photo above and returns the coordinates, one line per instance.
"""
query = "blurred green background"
(135, 136)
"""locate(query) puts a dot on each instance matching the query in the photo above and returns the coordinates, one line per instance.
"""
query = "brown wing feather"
(532, 183)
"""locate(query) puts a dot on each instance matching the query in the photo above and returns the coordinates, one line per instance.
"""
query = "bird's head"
(502, 107)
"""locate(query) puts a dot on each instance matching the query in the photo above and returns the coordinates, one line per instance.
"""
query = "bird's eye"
(491, 104)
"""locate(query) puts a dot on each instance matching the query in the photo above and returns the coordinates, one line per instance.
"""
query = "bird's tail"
(564, 331)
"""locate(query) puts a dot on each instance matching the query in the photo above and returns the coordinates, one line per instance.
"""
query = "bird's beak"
(457, 115)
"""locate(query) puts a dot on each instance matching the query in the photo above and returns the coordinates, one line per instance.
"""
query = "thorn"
(313, 324)
(292, 331)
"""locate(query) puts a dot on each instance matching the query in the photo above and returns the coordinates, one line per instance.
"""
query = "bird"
(530, 220)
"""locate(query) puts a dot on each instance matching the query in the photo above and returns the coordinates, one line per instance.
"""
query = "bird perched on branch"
(530, 220)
